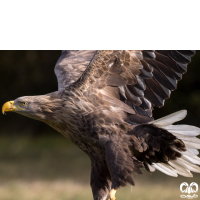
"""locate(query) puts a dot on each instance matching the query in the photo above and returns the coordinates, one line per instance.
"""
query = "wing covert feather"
(144, 78)
(71, 65)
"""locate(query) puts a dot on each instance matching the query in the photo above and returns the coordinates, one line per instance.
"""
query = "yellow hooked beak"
(8, 106)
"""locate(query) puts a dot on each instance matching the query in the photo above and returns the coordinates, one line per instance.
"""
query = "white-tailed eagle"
(104, 105)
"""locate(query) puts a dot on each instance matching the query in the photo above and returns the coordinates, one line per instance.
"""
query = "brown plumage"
(104, 105)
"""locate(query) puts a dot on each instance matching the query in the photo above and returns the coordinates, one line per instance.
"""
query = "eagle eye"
(23, 103)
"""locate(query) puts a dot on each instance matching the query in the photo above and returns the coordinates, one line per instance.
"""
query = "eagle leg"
(120, 163)
(100, 181)
(112, 195)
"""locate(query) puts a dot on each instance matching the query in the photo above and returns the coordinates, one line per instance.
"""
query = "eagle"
(104, 105)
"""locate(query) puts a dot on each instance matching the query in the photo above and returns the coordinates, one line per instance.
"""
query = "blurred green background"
(37, 163)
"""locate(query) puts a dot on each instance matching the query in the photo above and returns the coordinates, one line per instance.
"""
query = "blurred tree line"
(25, 73)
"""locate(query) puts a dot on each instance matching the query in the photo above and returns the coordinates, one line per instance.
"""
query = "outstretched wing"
(71, 65)
(139, 79)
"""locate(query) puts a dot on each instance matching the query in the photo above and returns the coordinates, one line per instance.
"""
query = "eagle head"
(39, 107)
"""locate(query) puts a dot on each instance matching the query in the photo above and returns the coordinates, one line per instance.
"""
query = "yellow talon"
(112, 194)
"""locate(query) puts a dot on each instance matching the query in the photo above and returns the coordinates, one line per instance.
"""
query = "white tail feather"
(190, 166)
(188, 153)
(183, 129)
(189, 159)
(165, 169)
(194, 151)
(151, 168)
(186, 138)
(180, 169)
(170, 119)
(182, 133)
(188, 174)
(191, 145)
(193, 160)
